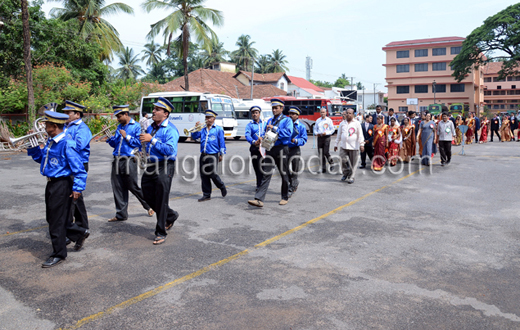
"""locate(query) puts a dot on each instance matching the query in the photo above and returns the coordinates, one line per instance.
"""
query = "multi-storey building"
(500, 95)
(420, 69)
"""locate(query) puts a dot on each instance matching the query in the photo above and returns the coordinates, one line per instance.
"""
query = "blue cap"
(120, 108)
(275, 102)
(295, 110)
(72, 106)
(255, 108)
(165, 104)
(210, 113)
(55, 117)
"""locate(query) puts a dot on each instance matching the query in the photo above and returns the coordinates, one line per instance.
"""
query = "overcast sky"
(341, 36)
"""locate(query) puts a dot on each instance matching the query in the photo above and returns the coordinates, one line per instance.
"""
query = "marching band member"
(161, 139)
(78, 131)
(323, 129)
(283, 126)
(212, 149)
(298, 139)
(59, 162)
(124, 165)
(254, 131)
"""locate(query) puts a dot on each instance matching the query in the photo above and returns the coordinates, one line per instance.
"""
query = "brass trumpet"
(196, 128)
(30, 140)
(107, 131)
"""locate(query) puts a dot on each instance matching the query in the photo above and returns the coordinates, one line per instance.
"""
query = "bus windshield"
(223, 107)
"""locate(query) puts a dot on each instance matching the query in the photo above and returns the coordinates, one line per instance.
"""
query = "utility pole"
(375, 94)
(252, 77)
(27, 60)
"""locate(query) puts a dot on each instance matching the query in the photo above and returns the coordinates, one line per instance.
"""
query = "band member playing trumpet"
(277, 155)
(78, 131)
(124, 165)
(59, 162)
(298, 139)
(161, 139)
(254, 131)
(212, 148)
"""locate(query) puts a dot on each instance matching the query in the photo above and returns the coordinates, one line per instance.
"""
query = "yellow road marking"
(222, 262)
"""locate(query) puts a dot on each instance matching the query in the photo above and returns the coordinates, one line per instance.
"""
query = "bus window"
(243, 114)
(223, 109)
(203, 106)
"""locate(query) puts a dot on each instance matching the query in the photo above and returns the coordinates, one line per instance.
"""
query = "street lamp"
(433, 85)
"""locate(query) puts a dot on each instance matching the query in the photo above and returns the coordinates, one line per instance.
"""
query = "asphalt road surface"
(423, 248)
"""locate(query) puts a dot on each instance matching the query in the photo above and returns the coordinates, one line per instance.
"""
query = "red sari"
(380, 134)
(408, 150)
(395, 142)
(484, 132)
(470, 133)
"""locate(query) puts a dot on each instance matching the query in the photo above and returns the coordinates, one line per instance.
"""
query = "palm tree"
(129, 68)
(263, 63)
(91, 23)
(278, 62)
(152, 54)
(218, 54)
(189, 18)
(245, 53)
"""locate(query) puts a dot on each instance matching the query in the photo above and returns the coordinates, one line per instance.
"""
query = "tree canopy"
(497, 39)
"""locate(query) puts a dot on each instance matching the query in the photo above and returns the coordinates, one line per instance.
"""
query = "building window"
(421, 67)
(440, 88)
(513, 86)
(423, 108)
(487, 92)
(495, 79)
(457, 88)
(499, 87)
(403, 53)
(438, 51)
(421, 88)
(441, 66)
(421, 52)
(496, 106)
(403, 68)
(403, 89)
(403, 109)
(282, 86)
(488, 79)
(360, 98)
(456, 50)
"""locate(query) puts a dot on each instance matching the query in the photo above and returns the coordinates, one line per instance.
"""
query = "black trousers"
(369, 150)
(323, 149)
(277, 156)
(476, 135)
(492, 133)
(156, 184)
(80, 211)
(58, 210)
(124, 179)
(256, 161)
(445, 150)
(208, 165)
(294, 162)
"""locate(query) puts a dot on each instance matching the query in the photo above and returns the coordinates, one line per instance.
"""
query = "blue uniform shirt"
(124, 147)
(60, 160)
(164, 142)
(300, 134)
(284, 129)
(212, 141)
(254, 131)
(80, 133)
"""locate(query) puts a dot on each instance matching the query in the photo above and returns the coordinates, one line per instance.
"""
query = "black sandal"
(159, 240)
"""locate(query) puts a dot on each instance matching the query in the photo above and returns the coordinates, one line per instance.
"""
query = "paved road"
(414, 250)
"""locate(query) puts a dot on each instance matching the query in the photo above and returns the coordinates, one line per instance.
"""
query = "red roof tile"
(303, 83)
(264, 77)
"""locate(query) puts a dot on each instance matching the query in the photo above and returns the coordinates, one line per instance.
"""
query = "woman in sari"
(428, 135)
(458, 122)
(505, 129)
(484, 128)
(380, 144)
(394, 140)
(408, 149)
(471, 129)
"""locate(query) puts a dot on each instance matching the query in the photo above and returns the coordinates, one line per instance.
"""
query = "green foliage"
(320, 83)
(341, 82)
(96, 124)
(129, 68)
(19, 129)
(497, 38)
(245, 53)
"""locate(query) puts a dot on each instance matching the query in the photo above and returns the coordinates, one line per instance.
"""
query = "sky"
(341, 36)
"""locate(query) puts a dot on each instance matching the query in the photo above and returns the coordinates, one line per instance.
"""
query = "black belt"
(205, 154)
(57, 179)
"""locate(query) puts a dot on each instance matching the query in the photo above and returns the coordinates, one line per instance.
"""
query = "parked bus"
(190, 107)
(310, 109)
(244, 115)
(437, 109)
(459, 109)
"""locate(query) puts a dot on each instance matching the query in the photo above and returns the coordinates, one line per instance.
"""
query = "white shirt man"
(350, 140)
(323, 129)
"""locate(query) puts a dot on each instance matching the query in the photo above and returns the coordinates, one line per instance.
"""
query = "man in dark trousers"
(368, 134)
(298, 139)
(379, 112)
(66, 179)
(161, 140)
(514, 126)
(495, 126)
(477, 126)
(254, 131)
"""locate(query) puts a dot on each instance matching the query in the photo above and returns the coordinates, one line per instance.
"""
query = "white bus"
(190, 107)
(244, 116)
